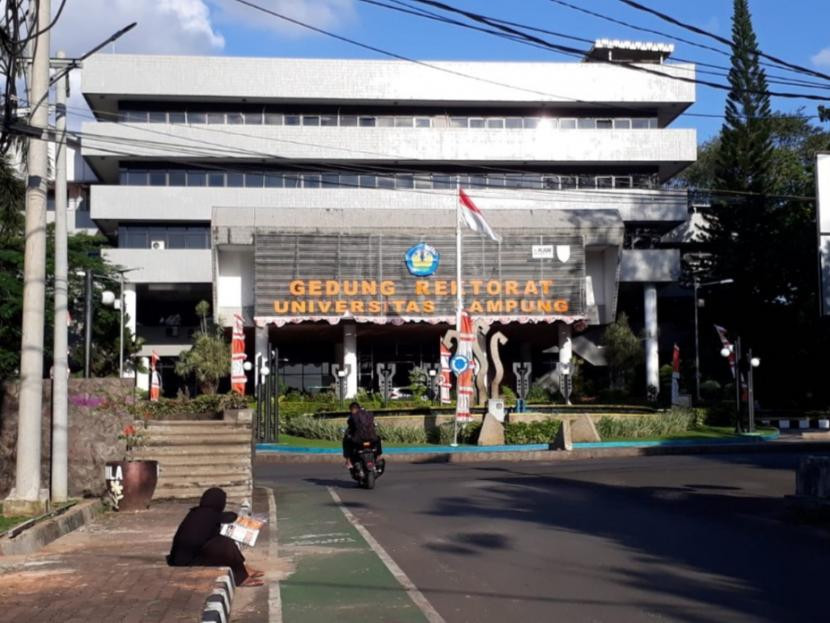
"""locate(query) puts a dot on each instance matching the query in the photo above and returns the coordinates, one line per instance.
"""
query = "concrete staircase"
(196, 455)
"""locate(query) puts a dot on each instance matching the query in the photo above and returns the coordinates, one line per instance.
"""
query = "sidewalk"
(110, 570)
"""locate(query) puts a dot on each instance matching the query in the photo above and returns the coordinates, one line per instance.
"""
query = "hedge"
(673, 422)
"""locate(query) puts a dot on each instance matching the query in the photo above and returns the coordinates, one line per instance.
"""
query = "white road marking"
(274, 597)
(415, 595)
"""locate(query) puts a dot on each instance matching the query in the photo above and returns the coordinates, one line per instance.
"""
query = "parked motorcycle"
(366, 468)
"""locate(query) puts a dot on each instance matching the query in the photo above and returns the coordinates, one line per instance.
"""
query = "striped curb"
(218, 604)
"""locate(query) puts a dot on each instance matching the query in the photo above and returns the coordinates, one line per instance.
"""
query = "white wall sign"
(542, 251)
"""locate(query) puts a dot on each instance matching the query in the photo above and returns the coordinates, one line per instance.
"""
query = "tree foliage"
(623, 352)
(209, 359)
(84, 253)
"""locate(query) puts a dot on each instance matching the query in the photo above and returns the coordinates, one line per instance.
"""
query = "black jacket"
(199, 526)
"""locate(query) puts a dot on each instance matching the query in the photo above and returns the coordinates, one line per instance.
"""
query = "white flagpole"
(459, 304)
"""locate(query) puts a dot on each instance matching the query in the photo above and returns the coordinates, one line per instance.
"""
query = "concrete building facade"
(275, 188)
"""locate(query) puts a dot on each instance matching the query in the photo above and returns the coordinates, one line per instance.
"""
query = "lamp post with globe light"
(749, 364)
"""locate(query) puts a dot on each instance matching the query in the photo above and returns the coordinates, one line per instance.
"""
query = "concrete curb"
(42, 533)
(264, 458)
(218, 604)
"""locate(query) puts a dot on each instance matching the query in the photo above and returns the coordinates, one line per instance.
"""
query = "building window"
(177, 117)
(458, 122)
(531, 123)
(348, 121)
(311, 180)
(366, 122)
(158, 178)
(605, 181)
(567, 124)
(423, 122)
(216, 118)
(567, 182)
(137, 177)
(253, 118)
(349, 181)
(235, 179)
(640, 123)
(311, 120)
(292, 180)
(235, 118)
(291, 119)
(196, 117)
(216, 179)
(605, 124)
(330, 180)
(513, 123)
(403, 122)
(328, 120)
(586, 123)
(273, 118)
(273, 180)
(385, 122)
(404, 180)
(196, 178)
(550, 182)
(135, 116)
(587, 181)
(623, 181)
(423, 180)
(254, 180)
(387, 182)
(622, 124)
(495, 123)
(177, 178)
(442, 182)
(368, 181)
(477, 122)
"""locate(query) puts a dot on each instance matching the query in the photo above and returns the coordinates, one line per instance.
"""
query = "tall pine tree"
(742, 230)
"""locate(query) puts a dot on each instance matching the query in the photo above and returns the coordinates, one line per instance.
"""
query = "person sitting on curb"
(198, 543)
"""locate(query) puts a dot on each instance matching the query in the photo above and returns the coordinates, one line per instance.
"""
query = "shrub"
(184, 407)
(711, 391)
(721, 413)
(508, 395)
(539, 394)
(520, 433)
(401, 434)
(312, 427)
(673, 422)
(467, 434)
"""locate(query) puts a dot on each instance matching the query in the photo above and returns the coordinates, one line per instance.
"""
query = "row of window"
(264, 117)
(425, 180)
(164, 237)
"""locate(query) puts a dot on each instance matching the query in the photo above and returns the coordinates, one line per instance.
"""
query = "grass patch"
(701, 433)
(10, 522)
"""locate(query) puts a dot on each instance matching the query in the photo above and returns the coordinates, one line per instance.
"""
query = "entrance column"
(130, 305)
(261, 349)
(652, 354)
(565, 345)
(350, 357)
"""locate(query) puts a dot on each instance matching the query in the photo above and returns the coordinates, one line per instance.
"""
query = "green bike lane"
(337, 575)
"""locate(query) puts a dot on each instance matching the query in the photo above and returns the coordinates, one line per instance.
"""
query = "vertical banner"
(675, 375)
(445, 382)
(155, 379)
(238, 356)
(465, 378)
(728, 345)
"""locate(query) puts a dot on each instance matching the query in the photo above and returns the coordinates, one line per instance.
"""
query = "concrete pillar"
(130, 306)
(565, 344)
(260, 349)
(652, 355)
(142, 379)
(350, 357)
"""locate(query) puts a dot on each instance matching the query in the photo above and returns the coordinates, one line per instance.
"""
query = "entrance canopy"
(390, 267)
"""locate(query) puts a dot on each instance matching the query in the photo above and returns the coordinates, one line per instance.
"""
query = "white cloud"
(320, 13)
(822, 59)
(164, 26)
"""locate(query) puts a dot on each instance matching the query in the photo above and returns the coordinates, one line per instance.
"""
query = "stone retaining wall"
(98, 411)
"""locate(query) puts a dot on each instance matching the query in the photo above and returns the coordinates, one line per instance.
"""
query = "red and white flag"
(155, 379)
(464, 385)
(445, 381)
(238, 356)
(474, 218)
(724, 340)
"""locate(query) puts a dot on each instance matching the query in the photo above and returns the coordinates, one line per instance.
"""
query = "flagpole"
(459, 304)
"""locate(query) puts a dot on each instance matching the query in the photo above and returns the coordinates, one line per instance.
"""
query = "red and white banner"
(724, 340)
(238, 356)
(464, 385)
(445, 381)
(474, 218)
(155, 379)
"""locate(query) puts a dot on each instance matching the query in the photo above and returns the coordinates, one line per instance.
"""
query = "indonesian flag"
(238, 356)
(464, 387)
(474, 218)
(445, 381)
(155, 379)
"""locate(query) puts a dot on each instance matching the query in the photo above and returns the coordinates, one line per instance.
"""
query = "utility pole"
(26, 497)
(60, 368)
(88, 323)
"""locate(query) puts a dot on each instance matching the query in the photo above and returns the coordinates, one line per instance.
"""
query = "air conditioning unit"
(158, 244)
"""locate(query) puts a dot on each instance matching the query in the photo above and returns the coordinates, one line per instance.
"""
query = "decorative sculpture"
(484, 388)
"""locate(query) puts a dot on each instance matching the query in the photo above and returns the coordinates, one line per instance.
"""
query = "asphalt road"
(671, 538)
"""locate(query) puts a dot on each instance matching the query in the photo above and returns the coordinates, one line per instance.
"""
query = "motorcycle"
(366, 468)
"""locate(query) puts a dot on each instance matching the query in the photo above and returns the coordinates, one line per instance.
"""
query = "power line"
(629, 66)
(691, 27)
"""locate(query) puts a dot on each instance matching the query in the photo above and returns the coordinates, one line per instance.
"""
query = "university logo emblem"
(422, 260)
(563, 252)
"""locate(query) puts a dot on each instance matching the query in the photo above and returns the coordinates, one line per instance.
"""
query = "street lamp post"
(696, 285)
(750, 363)
(108, 298)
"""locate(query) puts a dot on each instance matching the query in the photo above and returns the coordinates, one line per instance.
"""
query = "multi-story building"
(290, 191)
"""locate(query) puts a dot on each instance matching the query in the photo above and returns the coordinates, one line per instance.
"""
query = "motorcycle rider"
(360, 427)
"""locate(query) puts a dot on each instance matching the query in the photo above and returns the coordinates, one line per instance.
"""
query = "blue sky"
(796, 30)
